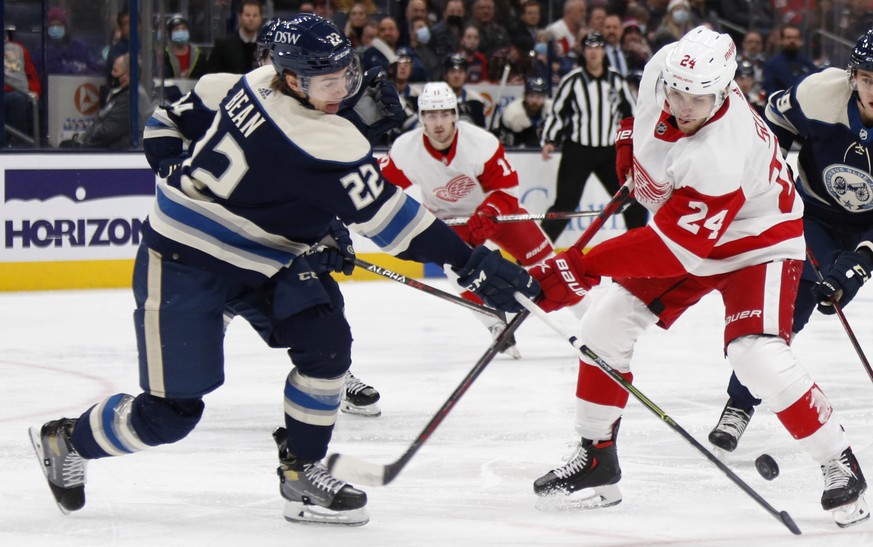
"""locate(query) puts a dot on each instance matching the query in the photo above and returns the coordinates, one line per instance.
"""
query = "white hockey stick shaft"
(457, 221)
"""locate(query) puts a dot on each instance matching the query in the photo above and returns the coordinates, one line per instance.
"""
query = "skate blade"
(851, 513)
(302, 513)
(36, 442)
(582, 500)
(369, 411)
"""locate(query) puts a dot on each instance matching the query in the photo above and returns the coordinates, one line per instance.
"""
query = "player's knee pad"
(766, 365)
(612, 325)
(159, 421)
(319, 341)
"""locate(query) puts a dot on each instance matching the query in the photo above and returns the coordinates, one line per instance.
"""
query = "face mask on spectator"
(423, 35)
(180, 36)
(541, 48)
(56, 32)
(114, 82)
(454, 20)
(680, 16)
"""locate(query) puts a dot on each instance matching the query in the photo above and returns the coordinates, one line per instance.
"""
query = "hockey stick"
(356, 470)
(852, 338)
(560, 215)
(415, 284)
(503, 79)
(585, 351)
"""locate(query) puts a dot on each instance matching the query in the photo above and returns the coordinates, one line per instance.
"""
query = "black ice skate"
(509, 348)
(731, 426)
(844, 487)
(360, 398)
(592, 467)
(63, 467)
(313, 495)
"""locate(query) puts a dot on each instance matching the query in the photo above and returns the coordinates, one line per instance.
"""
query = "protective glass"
(685, 105)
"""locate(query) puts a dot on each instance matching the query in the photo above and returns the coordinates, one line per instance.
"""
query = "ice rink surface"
(470, 484)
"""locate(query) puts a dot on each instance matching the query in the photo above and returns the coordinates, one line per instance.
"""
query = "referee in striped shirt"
(586, 110)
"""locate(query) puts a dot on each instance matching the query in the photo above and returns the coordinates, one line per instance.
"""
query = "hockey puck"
(766, 466)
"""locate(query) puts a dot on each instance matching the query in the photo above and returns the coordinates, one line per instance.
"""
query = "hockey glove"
(376, 108)
(482, 224)
(624, 150)
(495, 279)
(849, 272)
(338, 254)
(562, 280)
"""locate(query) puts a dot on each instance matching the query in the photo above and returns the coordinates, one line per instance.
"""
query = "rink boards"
(74, 221)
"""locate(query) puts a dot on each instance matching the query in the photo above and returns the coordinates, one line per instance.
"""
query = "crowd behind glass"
(523, 44)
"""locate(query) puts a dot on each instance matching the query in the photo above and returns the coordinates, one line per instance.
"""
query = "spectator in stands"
(635, 47)
(63, 53)
(20, 85)
(674, 25)
(752, 16)
(656, 10)
(612, 30)
(565, 29)
(324, 8)
(517, 56)
(181, 58)
(371, 31)
(477, 64)
(492, 35)
(752, 51)
(550, 71)
(530, 20)
(446, 34)
(471, 105)
(120, 41)
(425, 62)
(521, 122)
(596, 17)
(358, 17)
(789, 65)
(382, 52)
(415, 10)
(236, 53)
(111, 127)
(400, 72)
(745, 78)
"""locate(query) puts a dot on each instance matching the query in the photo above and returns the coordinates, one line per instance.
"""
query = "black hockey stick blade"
(789, 522)
(356, 470)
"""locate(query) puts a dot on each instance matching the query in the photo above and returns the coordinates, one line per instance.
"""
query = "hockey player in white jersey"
(461, 170)
(259, 189)
(830, 115)
(726, 218)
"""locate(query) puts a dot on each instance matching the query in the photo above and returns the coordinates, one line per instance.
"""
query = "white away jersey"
(732, 202)
(455, 184)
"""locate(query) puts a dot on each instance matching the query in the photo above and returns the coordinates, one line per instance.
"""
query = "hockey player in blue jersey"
(830, 115)
(259, 189)
(374, 109)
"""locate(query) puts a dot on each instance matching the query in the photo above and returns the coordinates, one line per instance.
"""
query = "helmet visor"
(686, 106)
(335, 86)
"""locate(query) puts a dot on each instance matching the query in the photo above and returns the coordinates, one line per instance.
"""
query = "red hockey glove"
(482, 224)
(562, 280)
(624, 150)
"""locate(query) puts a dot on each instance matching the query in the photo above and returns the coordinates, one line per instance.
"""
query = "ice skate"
(63, 467)
(588, 480)
(509, 349)
(731, 426)
(844, 487)
(313, 495)
(360, 398)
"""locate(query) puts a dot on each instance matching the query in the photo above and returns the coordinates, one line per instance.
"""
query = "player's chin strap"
(839, 309)
(586, 353)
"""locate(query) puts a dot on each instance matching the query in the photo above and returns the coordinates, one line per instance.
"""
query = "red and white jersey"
(722, 198)
(453, 184)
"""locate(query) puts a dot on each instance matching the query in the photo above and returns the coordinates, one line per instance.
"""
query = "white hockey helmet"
(703, 62)
(437, 96)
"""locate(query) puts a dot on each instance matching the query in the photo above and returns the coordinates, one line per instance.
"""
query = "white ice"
(470, 484)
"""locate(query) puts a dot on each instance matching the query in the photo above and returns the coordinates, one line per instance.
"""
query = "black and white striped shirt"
(586, 110)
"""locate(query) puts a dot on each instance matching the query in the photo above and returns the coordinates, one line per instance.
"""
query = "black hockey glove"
(495, 279)
(841, 284)
(338, 253)
(376, 108)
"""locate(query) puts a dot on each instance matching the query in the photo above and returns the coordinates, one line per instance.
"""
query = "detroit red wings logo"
(647, 189)
(456, 189)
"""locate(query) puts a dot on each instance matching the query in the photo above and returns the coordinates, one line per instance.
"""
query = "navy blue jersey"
(269, 175)
(821, 114)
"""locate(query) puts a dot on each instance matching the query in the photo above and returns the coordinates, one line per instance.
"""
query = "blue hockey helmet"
(308, 45)
(862, 55)
(536, 85)
(265, 39)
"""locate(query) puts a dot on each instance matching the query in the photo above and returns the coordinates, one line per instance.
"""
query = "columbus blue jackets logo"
(456, 188)
(849, 187)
